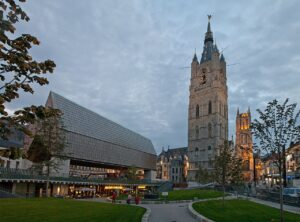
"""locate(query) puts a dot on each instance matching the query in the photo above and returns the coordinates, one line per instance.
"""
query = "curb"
(165, 202)
(200, 217)
(196, 215)
(146, 215)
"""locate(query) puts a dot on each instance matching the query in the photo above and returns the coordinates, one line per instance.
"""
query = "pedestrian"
(137, 199)
(114, 196)
(129, 198)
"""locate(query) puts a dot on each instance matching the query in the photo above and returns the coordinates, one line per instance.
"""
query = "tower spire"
(209, 34)
(209, 47)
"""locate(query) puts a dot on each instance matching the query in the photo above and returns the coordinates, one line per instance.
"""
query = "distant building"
(172, 165)
(293, 164)
(243, 143)
(11, 151)
(98, 147)
(208, 107)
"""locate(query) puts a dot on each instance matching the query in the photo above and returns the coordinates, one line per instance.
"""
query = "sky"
(128, 60)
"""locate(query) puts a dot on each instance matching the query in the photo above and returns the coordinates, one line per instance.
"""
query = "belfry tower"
(243, 142)
(208, 109)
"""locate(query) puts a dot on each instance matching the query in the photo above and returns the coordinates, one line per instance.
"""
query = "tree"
(223, 166)
(236, 176)
(275, 129)
(204, 176)
(48, 145)
(18, 70)
(131, 173)
(227, 167)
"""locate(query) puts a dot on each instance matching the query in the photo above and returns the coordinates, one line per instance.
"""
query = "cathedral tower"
(243, 142)
(208, 110)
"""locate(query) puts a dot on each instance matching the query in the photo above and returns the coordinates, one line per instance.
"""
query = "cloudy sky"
(125, 59)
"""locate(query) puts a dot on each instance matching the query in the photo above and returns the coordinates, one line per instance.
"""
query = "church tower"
(208, 110)
(243, 141)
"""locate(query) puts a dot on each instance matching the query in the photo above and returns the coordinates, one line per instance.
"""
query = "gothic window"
(209, 130)
(197, 111)
(209, 107)
(197, 132)
(220, 129)
(209, 148)
(196, 151)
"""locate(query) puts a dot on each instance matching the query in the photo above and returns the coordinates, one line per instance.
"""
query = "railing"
(19, 174)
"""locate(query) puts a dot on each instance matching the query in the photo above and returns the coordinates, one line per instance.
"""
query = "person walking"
(114, 197)
(129, 198)
(137, 199)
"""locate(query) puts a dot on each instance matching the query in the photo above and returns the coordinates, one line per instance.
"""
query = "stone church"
(208, 108)
(243, 143)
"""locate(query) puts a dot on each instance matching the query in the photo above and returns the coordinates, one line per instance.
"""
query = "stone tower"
(208, 110)
(243, 141)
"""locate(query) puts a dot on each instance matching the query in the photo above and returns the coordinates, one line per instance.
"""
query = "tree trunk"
(47, 183)
(281, 195)
(223, 195)
(284, 168)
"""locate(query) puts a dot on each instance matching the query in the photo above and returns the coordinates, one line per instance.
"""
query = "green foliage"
(192, 193)
(228, 168)
(131, 173)
(37, 152)
(54, 210)
(204, 176)
(240, 210)
(276, 128)
(18, 70)
(236, 171)
(49, 143)
(15, 153)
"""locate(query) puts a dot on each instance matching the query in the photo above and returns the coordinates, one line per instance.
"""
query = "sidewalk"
(288, 208)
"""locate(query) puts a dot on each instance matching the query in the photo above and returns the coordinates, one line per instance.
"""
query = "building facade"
(97, 147)
(208, 108)
(172, 165)
(243, 144)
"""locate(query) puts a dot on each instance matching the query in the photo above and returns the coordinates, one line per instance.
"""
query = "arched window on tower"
(209, 130)
(209, 107)
(197, 111)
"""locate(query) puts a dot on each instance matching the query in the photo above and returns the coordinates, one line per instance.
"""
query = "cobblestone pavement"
(172, 212)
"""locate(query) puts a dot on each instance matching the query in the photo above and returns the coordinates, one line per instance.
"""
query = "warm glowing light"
(113, 188)
(141, 187)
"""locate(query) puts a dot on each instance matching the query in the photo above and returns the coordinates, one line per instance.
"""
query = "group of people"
(136, 199)
(129, 198)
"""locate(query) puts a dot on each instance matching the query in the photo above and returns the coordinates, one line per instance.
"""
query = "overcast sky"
(125, 59)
